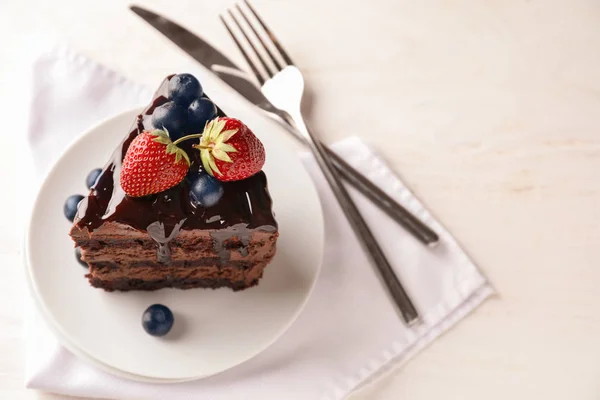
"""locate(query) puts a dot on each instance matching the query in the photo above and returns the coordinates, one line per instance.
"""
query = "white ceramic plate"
(90, 359)
(214, 329)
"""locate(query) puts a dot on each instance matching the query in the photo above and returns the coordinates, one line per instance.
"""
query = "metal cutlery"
(283, 85)
(225, 69)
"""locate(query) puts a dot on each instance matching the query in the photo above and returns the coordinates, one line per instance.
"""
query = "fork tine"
(256, 52)
(257, 74)
(284, 55)
(275, 61)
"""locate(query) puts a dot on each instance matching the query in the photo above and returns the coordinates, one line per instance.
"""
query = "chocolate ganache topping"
(245, 204)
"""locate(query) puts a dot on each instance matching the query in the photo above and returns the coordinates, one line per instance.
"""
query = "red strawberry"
(230, 151)
(152, 164)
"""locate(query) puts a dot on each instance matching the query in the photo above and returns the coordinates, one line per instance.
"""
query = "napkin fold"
(349, 332)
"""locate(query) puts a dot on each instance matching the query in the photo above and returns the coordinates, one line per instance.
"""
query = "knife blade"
(186, 40)
(226, 69)
(205, 54)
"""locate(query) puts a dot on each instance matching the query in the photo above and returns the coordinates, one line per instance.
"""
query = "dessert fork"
(281, 82)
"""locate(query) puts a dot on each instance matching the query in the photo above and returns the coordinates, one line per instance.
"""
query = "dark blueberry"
(92, 177)
(184, 88)
(157, 320)
(78, 257)
(171, 117)
(205, 191)
(199, 113)
(70, 207)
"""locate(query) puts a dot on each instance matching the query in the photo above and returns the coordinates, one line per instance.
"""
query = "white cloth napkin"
(349, 332)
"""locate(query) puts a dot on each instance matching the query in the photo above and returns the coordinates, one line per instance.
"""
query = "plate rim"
(63, 337)
(82, 354)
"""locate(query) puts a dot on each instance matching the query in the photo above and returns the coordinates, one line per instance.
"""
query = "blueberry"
(92, 177)
(70, 207)
(205, 191)
(184, 88)
(199, 113)
(171, 117)
(78, 257)
(157, 320)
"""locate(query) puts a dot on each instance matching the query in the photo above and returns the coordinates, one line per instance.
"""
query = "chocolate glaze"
(245, 204)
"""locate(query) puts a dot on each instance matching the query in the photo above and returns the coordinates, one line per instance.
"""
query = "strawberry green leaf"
(226, 135)
(205, 162)
(213, 165)
(179, 153)
(221, 155)
(162, 140)
(185, 156)
(161, 136)
(225, 147)
(204, 157)
(161, 133)
(212, 145)
(217, 127)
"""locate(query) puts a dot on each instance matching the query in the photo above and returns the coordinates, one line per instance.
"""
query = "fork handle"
(371, 191)
(360, 227)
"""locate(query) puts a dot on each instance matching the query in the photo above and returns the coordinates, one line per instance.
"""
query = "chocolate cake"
(169, 238)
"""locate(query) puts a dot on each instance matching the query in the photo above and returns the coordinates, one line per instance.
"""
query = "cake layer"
(152, 277)
(126, 284)
(152, 271)
(120, 244)
(204, 262)
(146, 249)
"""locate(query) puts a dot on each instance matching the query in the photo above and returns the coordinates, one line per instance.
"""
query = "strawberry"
(152, 164)
(229, 150)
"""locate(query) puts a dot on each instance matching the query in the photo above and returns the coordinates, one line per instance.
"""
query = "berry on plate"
(205, 191)
(184, 88)
(78, 257)
(170, 117)
(92, 177)
(230, 151)
(152, 164)
(70, 207)
(157, 320)
(199, 113)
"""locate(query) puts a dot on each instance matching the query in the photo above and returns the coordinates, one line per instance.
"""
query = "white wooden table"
(490, 110)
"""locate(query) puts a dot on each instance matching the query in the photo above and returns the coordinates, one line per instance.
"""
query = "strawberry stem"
(194, 136)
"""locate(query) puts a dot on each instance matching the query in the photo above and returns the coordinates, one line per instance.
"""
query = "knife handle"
(396, 211)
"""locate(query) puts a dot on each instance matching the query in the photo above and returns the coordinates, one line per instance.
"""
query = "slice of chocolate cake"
(182, 202)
